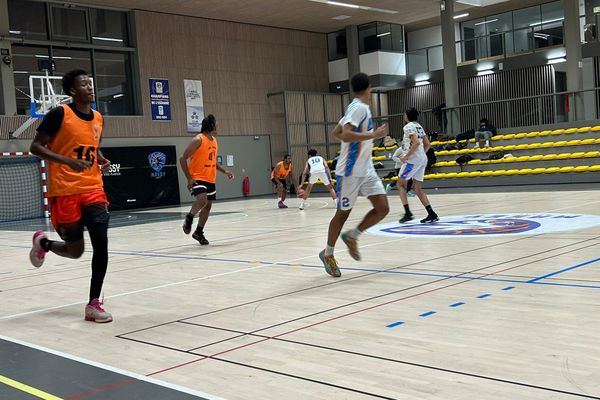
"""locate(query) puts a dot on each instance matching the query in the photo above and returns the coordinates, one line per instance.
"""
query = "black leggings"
(97, 225)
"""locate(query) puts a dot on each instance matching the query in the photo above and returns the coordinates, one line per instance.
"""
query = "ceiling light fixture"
(341, 17)
(355, 6)
(547, 22)
(422, 83)
(557, 60)
(459, 16)
(486, 22)
(485, 72)
(384, 34)
(14, 32)
(107, 39)
(116, 96)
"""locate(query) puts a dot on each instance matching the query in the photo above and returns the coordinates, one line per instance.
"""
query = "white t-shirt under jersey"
(418, 157)
(356, 157)
(316, 164)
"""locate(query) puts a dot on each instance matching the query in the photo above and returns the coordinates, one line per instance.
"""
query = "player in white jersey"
(414, 162)
(318, 170)
(355, 173)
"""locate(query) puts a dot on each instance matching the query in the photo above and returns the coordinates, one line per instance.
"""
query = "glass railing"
(493, 46)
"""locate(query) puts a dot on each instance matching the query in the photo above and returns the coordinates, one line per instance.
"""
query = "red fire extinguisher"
(246, 186)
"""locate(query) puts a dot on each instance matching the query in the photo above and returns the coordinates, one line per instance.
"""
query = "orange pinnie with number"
(203, 163)
(77, 139)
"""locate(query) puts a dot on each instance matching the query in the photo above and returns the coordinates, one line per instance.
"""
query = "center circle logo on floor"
(490, 225)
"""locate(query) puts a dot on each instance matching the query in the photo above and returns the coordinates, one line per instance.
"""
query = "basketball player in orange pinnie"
(199, 164)
(69, 139)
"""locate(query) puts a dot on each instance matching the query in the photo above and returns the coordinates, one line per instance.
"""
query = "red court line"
(102, 389)
(306, 327)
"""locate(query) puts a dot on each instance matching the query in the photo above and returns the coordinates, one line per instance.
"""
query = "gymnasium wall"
(238, 64)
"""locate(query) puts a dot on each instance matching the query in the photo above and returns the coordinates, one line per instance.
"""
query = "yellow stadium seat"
(548, 144)
(534, 146)
(585, 142)
(570, 131)
(523, 158)
(497, 137)
(567, 169)
(509, 147)
(474, 174)
(596, 128)
(499, 172)
(561, 143)
(558, 132)
(509, 159)
(509, 136)
(536, 157)
(520, 135)
(590, 154)
(584, 129)
(552, 170)
(563, 156)
(545, 133)
(597, 141)
(525, 171)
(486, 173)
(475, 162)
(450, 175)
(521, 147)
(579, 154)
(453, 152)
(537, 171)
(464, 151)
(547, 157)
(512, 172)
(533, 134)
(500, 161)
(595, 168)
(582, 168)
(575, 142)
(485, 162)
(462, 174)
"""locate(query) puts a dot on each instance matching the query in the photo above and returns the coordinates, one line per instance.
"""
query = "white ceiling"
(311, 15)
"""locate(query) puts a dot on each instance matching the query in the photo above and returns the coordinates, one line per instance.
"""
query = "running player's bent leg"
(204, 213)
(380, 209)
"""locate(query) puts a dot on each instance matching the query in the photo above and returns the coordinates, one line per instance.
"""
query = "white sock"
(355, 233)
(329, 250)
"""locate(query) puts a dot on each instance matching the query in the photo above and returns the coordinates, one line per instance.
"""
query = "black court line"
(363, 276)
(62, 377)
(359, 354)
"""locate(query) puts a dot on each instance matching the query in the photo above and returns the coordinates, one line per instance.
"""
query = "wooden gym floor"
(254, 315)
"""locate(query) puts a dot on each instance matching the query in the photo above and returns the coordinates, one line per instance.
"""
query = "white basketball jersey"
(316, 164)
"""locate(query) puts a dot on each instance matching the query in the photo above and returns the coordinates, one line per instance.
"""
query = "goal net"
(22, 186)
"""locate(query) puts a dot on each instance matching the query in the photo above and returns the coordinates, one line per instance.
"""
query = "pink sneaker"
(95, 312)
(37, 254)
(281, 205)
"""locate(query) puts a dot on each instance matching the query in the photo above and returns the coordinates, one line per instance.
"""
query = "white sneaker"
(301, 206)
(477, 145)
(37, 254)
(487, 143)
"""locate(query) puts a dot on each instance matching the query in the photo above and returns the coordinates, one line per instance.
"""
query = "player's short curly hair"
(68, 80)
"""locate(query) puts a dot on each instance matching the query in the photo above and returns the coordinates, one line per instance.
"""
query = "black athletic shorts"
(282, 181)
(205, 187)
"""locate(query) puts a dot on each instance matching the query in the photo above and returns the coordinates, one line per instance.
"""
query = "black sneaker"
(187, 224)
(200, 238)
(407, 217)
(430, 219)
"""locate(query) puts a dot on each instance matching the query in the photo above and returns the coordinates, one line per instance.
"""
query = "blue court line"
(427, 314)
(506, 289)
(460, 303)
(200, 258)
(395, 324)
(539, 278)
(483, 296)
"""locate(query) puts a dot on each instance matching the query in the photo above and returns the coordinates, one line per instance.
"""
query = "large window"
(336, 46)
(94, 40)
(27, 19)
(512, 32)
(380, 36)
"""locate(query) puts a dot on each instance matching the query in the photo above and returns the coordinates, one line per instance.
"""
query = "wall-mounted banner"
(489, 225)
(194, 104)
(160, 103)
